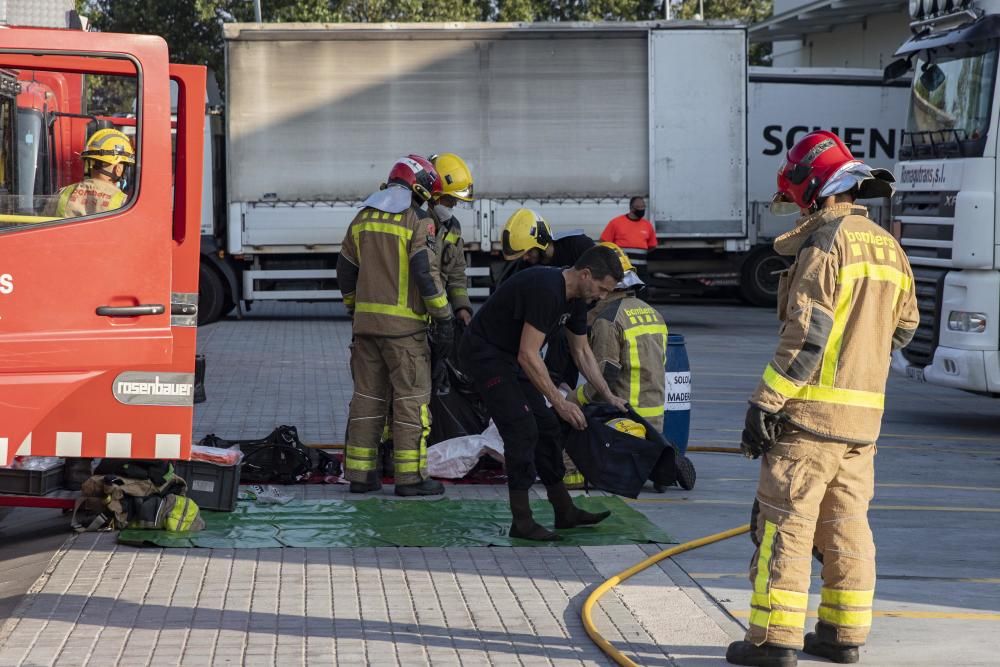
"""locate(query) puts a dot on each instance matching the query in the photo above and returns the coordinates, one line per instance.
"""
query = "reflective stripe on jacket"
(385, 273)
(845, 304)
(630, 337)
(451, 251)
(87, 197)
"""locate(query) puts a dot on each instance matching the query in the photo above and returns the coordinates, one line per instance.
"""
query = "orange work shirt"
(625, 232)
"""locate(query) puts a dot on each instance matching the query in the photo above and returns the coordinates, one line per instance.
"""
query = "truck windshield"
(950, 105)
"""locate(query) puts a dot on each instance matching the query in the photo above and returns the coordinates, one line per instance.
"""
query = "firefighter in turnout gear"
(629, 340)
(390, 287)
(845, 304)
(456, 186)
(107, 157)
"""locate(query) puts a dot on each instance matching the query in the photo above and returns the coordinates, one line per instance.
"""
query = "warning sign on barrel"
(678, 395)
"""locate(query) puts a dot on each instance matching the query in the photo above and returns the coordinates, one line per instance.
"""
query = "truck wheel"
(759, 276)
(211, 295)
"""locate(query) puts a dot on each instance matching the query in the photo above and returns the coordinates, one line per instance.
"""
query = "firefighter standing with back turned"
(389, 286)
(845, 304)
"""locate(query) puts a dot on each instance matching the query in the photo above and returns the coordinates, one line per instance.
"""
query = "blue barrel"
(677, 404)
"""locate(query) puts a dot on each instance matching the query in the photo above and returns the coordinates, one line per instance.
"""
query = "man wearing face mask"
(633, 233)
(456, 186)
(107, 157)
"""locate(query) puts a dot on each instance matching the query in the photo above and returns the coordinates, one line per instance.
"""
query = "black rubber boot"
(365, 487)
(523, 525)
(569, 515)
(748, 653)
(823, 644)
(428, 487)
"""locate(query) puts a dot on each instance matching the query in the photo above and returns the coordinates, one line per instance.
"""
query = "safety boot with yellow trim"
(765, 655)
(823, 644)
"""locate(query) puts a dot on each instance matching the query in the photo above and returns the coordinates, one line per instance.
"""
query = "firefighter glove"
(761, 431)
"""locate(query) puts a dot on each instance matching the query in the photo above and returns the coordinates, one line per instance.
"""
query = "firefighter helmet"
(524, 230)
(821, 165)
(417, 174)
(456, 177)
(631, 277)
(109, 146)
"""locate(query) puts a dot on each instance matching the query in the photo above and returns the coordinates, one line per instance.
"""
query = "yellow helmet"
(456, 176)
(622, 257)
(631, 278)
(626, 425)
(524, 230)
(109, 146)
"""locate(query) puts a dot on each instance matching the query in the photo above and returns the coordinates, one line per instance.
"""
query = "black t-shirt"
(536, 296)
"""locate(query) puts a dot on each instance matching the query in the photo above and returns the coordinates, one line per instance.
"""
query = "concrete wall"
(869, 44)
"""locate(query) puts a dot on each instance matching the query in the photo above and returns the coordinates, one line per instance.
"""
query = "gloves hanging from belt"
(761, 431)
(442, 337)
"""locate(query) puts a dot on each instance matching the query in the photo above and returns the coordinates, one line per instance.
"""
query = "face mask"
(639, 212)
(442, 212)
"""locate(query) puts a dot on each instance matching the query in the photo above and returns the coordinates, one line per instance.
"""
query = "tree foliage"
(193, 28)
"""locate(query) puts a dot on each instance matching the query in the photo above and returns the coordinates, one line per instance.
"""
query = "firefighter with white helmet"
(390, 287)
(107, 158)
(845, 304)
(456, 186)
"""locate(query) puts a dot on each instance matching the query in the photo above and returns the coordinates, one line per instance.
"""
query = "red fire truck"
(97, 312)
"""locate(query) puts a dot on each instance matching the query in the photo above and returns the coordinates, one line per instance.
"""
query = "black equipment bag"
(457, 410)
(280, 458)
(614, 461)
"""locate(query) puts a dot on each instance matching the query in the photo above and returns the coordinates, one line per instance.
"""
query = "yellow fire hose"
(588, 606)
(587, 614)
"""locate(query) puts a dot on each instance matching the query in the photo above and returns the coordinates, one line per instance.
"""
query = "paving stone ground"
(99, 603)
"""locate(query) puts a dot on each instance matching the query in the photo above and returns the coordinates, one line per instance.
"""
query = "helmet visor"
(782, 205)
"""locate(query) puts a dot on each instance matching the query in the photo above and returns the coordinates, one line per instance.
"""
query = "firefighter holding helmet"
(845, 304)
(390, 287)
(456, 186)
(107, 157)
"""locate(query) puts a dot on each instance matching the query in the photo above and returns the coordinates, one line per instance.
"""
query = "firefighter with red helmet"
(845, 304)
(390, 287)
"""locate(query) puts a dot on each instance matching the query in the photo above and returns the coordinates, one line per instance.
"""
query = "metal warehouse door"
(697, 129)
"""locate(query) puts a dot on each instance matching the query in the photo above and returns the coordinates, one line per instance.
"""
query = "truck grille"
(929, 284)
(926, 232)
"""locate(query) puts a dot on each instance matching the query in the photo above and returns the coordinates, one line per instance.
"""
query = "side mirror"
(896, 69)
(932, 78)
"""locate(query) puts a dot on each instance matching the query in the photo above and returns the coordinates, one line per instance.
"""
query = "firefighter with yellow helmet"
(527, 240)
(456, 186)
(107, 158)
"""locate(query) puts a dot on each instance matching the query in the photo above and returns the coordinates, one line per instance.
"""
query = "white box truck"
(571, 119)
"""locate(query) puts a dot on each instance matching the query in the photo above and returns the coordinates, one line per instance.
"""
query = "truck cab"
(945, 209)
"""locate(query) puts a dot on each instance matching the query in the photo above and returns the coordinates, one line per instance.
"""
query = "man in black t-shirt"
(500, 350)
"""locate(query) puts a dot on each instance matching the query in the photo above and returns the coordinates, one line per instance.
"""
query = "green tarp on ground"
(377, 523)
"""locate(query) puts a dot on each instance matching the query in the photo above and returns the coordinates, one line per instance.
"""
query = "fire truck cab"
(98, 302)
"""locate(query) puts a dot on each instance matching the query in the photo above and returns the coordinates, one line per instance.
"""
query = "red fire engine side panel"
(74, 382)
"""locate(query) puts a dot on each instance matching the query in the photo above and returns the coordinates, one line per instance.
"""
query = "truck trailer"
(945, 210)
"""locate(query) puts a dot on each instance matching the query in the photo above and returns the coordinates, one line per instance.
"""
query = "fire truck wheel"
(759, 276)
(211, 295)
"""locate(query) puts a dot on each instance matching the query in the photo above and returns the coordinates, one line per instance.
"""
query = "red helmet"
(418, 174)
(820, 165)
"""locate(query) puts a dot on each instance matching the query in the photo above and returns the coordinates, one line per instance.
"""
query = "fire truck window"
(67, 146)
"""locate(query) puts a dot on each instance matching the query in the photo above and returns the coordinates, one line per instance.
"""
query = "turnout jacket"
(385, 273)
(629, 340)
(451, 250)
(845, 304)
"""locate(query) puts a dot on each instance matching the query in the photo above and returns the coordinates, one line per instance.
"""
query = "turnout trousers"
(813, 492)
(531, 431)
(397, 370)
